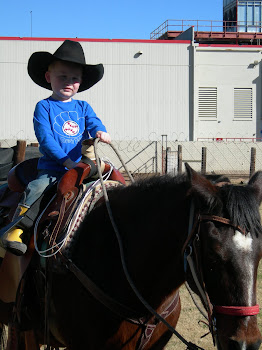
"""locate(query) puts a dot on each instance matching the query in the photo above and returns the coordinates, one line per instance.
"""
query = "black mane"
(240, 204)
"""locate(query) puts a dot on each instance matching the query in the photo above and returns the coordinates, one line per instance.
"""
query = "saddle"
(68, 189)
(76, 195)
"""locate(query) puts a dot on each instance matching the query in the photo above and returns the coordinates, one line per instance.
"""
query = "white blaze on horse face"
(244, 244)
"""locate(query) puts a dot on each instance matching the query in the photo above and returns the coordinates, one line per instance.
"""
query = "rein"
(190, 346)
(112, 304)
(190, 247)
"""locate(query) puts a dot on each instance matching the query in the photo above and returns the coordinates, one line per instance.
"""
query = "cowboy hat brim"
(38, 65)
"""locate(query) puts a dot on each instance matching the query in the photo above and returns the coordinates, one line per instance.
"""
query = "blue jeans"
(45, 179)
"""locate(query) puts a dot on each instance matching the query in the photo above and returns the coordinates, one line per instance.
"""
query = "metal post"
(31, 15)
(179, 159)
(204, 161)
(168, 151)
(164, 155)
(156, 165)
(252, 161)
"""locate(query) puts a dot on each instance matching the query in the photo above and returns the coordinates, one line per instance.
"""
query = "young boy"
(60, 122)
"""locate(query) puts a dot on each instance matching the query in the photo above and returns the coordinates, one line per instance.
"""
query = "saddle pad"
(86, 203)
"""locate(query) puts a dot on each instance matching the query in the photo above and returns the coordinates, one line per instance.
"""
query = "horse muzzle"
(240, 345)
(238, 333)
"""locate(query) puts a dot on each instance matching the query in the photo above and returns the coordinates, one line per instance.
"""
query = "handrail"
(139, 154)
(221, 139)
(145, 165)
(206, 26)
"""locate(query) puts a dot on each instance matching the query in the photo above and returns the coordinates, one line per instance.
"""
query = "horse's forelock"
(241, 206)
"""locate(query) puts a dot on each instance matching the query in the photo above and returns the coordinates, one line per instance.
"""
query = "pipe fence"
(146, 158)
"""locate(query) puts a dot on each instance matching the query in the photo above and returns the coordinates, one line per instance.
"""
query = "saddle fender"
(68, 185)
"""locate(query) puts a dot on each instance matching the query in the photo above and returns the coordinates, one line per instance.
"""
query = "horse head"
(226, 240)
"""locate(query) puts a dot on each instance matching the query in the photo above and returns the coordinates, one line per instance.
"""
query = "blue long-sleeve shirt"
(60, 127)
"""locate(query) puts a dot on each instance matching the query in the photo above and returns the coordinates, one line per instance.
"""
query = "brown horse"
(101, 291)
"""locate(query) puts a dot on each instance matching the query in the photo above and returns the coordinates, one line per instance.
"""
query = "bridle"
(192, 260)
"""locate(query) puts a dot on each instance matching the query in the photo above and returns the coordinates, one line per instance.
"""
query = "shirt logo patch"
(70, 128)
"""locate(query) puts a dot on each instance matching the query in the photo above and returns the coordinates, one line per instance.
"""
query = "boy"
(60, 123)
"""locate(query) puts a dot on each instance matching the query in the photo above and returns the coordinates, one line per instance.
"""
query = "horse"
(132, 254)
(117, 285)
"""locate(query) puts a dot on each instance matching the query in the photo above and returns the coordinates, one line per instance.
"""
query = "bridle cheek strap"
(237, 310)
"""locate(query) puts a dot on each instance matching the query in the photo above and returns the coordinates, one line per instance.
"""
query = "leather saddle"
(67, 191)
(70, 191)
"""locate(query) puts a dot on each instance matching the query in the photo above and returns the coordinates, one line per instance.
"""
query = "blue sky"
(107, 19)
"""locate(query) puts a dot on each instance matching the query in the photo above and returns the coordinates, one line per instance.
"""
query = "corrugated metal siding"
(139, 97)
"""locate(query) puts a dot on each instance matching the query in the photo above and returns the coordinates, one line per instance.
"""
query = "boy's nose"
(69, 81)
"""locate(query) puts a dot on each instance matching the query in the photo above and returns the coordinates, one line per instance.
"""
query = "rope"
(129, 279)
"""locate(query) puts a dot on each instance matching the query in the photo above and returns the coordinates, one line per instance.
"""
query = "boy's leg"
(11, 240)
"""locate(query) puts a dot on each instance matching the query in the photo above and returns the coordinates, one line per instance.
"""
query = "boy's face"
(65, 79)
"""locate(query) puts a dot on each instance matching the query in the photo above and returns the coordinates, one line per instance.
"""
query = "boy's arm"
(48, 145)
(95, 127)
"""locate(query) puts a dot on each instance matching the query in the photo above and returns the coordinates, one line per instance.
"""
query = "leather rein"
(192, 259)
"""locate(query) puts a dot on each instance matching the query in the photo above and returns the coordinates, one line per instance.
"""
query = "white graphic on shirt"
(67, 125)
(70, 128)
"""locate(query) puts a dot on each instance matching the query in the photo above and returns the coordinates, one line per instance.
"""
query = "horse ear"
(201, 186)
(256, 183)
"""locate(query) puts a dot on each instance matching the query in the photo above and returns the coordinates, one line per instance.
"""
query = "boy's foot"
(12, 242)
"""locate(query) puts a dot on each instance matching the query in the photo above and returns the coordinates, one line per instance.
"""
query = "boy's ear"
(47, 77)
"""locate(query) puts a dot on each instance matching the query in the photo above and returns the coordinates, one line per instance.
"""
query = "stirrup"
(14, 247)
(11, 226)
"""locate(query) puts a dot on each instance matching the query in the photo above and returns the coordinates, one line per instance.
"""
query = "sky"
(99, 19)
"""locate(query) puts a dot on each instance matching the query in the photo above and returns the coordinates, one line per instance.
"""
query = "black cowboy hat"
(69, 51)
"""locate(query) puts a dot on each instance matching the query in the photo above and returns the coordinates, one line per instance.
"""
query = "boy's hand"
(103, 136)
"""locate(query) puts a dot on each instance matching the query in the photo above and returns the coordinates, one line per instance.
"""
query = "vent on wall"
(207, 102)
(242, 103)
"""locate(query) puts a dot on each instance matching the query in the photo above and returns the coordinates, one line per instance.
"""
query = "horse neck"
(152, 227)
(160, 237)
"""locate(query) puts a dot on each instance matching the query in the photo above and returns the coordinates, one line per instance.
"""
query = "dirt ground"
(189, 327)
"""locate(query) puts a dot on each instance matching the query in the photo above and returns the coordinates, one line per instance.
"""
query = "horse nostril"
(240, 345)
(235, 345)
(254, 346)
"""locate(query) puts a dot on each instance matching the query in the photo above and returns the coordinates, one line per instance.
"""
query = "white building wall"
(139, 97)
(227, 68)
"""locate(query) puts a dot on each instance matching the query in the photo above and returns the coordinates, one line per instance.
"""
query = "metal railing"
(147, 164)
(233, 139)
(205, 26)
(230, 156)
